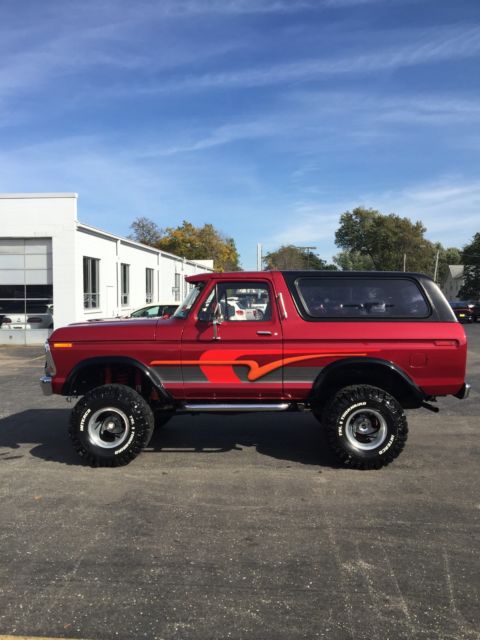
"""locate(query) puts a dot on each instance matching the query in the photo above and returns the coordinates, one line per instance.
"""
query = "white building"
(48, 257)
(454, 281)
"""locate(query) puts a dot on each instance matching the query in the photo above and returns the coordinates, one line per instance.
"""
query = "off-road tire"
(366, 427)
(110, 425)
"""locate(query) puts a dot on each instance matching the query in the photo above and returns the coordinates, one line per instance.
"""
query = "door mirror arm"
(217, 320)
(217, 314)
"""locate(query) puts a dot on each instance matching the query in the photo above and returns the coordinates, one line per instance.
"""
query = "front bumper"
(463, 392)
(46, 385)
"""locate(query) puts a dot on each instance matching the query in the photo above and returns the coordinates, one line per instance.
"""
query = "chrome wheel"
(366, 429)
(108, 427)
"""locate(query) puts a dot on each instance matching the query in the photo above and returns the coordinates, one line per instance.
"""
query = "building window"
(91, 283)
(148, 285)
(26, 291)
(176, 288)
(125, 278)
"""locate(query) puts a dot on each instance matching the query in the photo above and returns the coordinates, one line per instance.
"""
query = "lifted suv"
(355, 348)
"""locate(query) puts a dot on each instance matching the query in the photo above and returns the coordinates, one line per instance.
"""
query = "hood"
(131, 330)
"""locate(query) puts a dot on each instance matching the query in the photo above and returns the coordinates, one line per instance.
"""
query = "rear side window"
(362, 298)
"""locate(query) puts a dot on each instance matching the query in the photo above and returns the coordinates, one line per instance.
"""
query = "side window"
(239, 302)
(361, 298)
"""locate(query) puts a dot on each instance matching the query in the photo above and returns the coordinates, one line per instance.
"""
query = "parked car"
(155, 310)
(357, 374)
(38, 316)
(237, 309)
(475, 307)
(463, 311)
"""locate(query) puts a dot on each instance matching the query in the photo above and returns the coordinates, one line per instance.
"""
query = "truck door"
(232, 348)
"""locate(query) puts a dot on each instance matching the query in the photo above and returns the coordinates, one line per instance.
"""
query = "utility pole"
(308, 250)
(259, 257)
(404, 262)
(436, 267)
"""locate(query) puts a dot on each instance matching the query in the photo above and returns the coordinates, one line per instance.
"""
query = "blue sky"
(267, 118)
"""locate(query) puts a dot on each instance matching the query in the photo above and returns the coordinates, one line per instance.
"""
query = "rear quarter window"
(360, 298)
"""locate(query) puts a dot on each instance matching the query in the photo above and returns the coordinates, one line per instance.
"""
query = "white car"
(236, 310)
(41, 317)
(156, 310)
(153, 310)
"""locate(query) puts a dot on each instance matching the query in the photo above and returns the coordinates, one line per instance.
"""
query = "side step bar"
(235, 407)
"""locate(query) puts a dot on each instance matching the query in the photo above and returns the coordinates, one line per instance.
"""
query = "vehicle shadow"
(44, 430)
(291, 437)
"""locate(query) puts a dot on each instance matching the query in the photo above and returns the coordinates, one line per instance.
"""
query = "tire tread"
(144, 421)
(359, 393)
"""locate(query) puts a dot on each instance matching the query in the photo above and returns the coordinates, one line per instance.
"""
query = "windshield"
(184, 309)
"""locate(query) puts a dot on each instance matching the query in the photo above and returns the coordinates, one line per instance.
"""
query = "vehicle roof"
(245, 275)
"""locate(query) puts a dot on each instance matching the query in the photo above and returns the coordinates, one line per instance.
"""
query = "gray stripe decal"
(169, 373)
(191, 373)
(173, 373)
(242, 372)
(300, 374)
(194, 374)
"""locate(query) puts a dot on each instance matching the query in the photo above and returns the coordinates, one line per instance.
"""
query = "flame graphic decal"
(256, 371)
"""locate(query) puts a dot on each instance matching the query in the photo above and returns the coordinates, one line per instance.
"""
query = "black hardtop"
(440, 310)
(311, 273)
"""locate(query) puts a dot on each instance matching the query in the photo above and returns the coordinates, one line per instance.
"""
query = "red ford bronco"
(355, 348)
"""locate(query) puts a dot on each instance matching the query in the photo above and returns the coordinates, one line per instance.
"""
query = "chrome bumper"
(464, 392)
(46, 385)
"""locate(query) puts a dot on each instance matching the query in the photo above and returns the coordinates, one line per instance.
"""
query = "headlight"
(50, 369)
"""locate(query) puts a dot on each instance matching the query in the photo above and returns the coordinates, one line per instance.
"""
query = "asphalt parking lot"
(236, 527)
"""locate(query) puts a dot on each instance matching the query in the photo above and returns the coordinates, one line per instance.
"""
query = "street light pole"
(308, 249)
(259, 257)
(436, 267)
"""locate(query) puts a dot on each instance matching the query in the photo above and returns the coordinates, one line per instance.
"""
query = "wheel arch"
(366, 371)
(84, 375)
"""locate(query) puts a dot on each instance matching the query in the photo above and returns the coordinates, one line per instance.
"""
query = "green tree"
(471, 261)
(291, 257)
(386, 240)
(201, 243)
(353, 261)
(145, 231)
(189, 241)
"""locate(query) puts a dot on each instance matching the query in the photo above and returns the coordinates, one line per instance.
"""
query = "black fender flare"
(375, 371)
(149, 373)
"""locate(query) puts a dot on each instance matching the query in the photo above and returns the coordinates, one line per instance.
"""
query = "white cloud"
(186, 8)
(79, 41)
(430, 47)
(218, 136)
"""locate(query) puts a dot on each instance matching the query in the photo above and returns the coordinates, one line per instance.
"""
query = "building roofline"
(134, 243)
(33, 196)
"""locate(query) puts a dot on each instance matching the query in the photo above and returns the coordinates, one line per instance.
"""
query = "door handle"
(264, 333)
